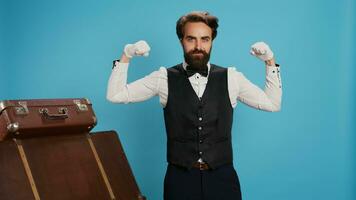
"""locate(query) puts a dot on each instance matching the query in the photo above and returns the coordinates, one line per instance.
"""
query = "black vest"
(198, 127)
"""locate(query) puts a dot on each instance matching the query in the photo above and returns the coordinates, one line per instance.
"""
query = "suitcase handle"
(63, 113)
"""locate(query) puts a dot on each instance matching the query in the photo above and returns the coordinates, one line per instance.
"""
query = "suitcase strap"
(101, 168)
(27, 169)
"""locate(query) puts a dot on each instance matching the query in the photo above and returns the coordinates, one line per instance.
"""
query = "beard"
(197, 59)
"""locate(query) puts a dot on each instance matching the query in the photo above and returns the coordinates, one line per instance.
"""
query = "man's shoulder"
(218, 68)
(175, 68)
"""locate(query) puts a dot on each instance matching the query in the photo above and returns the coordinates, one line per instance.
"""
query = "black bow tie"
(190, 72)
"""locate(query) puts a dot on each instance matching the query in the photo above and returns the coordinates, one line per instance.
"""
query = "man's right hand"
(140, 48)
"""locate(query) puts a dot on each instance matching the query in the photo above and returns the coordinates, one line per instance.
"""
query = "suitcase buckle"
(22, 108)
(80, 106)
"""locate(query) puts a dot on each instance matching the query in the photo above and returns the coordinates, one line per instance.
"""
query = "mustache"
(194, 51)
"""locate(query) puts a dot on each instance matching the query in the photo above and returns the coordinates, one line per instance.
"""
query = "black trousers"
(194, 184)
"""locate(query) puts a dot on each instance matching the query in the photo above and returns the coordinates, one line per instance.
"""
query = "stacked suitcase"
(48, 152)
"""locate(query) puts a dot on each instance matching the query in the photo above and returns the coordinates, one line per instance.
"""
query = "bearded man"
(198, 99)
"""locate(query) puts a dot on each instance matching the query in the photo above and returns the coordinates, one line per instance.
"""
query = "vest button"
(200, 153)
(200, 118)
(200, 128)
(200, 141)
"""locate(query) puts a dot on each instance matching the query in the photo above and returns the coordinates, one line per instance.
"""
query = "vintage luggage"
(53, 155)
(26, 118)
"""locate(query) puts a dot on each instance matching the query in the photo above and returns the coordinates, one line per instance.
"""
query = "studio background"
(64, 49)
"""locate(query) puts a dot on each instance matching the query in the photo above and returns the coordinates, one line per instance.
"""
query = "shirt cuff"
(119, 66)
(274, 72)
(273, 69)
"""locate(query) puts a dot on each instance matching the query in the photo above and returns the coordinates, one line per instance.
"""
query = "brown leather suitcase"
(46, 159)
(27, 118)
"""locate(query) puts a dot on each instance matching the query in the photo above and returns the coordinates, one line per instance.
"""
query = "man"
(198, 100)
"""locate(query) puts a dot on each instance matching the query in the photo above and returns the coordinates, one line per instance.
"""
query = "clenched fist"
(140, 48)
(262, 51)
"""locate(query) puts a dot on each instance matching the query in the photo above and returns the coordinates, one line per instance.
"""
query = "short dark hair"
(197, 16)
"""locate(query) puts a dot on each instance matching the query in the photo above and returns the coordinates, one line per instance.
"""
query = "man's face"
(197, 43)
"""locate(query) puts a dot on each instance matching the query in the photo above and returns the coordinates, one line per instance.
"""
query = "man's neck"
(185, 64)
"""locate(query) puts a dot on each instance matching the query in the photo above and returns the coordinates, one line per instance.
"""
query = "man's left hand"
(262, 51)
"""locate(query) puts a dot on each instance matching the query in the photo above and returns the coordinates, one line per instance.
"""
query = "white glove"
(138, 49)
(262, 51)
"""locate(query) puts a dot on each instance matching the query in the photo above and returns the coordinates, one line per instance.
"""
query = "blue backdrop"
(58, 49)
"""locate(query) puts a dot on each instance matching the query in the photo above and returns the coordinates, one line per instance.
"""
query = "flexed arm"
(270, 98)
(118, 90)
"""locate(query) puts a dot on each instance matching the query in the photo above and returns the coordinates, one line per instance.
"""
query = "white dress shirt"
(156, 83)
